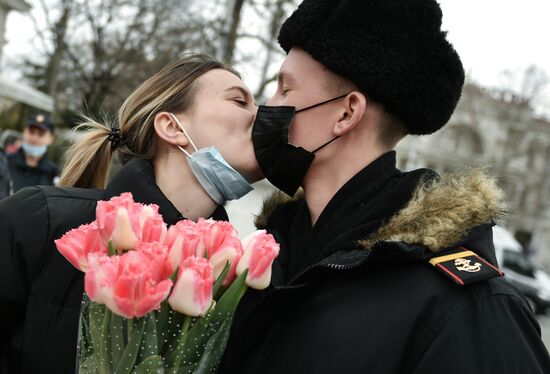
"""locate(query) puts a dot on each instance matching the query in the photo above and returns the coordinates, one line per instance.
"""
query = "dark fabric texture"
(394, 50)
(40, 291)
(5, 181)
(23, 175)
(337, 307)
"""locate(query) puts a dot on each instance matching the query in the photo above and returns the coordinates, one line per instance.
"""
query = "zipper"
(330, 266)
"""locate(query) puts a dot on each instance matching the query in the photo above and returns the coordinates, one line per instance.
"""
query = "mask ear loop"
(186, 134)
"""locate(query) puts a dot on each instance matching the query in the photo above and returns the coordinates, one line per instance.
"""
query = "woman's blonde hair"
(172, 89)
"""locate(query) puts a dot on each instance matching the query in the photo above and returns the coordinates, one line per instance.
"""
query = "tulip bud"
(78, 243)
(183, 240)
(260, 250)
(123, 236)
(229, 252)
(130, 285)
(192, 293)
(124, 222)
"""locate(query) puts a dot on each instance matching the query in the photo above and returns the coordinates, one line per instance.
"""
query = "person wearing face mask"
(380, 270)
(184, 139)
(30, 165)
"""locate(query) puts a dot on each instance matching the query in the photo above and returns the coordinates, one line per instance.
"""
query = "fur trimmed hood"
(440, 213)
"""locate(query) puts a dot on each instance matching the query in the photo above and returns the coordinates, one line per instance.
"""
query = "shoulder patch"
(464, 266)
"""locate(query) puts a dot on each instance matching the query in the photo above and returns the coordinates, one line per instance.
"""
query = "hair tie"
(115, 138)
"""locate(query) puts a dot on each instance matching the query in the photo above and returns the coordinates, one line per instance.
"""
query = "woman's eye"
(284, 91)
(240, 101)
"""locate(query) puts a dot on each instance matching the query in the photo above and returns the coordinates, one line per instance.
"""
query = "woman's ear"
(168, 129)
(351, 114)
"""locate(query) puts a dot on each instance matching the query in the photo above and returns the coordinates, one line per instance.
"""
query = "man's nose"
(273, 101)
(255, 113)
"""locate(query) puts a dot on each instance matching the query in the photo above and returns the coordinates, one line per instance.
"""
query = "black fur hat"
(393, 50)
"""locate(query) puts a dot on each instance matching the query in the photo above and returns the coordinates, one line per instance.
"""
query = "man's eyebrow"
(285, 77)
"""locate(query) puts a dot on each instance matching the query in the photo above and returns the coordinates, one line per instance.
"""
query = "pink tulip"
(215, 233)
(157, 254)
(125, 222)
(153, 228)
(231, 250)
(192, 293)
(222, 245)
(183, 240)
(102, 272)
(130, 285)
(76, 244)
(260, 250)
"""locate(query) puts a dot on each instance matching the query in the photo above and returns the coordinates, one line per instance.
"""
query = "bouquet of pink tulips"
(158, 299)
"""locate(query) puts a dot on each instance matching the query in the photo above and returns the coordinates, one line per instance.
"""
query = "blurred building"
(504, 134)
(11, 90)
(5, 7)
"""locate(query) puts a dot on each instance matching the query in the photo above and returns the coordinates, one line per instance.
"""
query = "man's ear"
(351, 113)
(50, 139)
(168, 129)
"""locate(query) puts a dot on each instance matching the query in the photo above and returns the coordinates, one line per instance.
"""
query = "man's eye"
(284, 91)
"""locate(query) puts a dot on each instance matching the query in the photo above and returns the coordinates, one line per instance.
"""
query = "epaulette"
(464, 266)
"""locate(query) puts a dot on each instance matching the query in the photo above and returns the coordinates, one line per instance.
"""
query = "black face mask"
(283, 164)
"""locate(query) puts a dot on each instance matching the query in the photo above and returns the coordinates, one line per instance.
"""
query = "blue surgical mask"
(34, 150)
(220, 181)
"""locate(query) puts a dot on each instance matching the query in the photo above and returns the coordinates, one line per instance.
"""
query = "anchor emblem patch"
(463, 264)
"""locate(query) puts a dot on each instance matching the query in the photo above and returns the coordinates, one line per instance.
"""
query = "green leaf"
(175, 356)
(209, 325)
(213, 352)
(149, 344)
(105, 344)
(96, 317)
(85, 348)
(112, 250)
(130, 353)
(152, 364)
(174, 276)
(117, 338)
(172, 332)
(230, 299)
(162, 325)
(88, 366)
(220, 279)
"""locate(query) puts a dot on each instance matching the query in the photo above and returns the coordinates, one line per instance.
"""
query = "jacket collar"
(43, 165)
(443, 212)
(138, 177)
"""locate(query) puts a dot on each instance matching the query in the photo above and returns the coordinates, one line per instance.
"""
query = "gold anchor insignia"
(463, 264)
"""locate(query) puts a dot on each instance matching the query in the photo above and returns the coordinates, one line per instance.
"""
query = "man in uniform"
(380, 271)
(30, 165)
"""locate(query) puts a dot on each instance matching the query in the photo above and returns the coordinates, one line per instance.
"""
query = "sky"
(491, 36)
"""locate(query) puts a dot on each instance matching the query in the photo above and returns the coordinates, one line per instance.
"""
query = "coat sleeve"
(23, 239)
(5, 183)
(495, 335)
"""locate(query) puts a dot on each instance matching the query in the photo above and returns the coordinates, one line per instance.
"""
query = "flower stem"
(175, 357)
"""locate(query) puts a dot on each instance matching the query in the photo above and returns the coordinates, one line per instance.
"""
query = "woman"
(164, 130)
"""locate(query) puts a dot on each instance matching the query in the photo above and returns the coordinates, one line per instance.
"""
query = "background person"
(30, 165)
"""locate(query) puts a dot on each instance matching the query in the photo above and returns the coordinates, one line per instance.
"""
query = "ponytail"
(88, 161)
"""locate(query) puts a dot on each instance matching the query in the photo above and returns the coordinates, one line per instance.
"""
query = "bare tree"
(95, 52)
(52, 43)
(522, 87)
